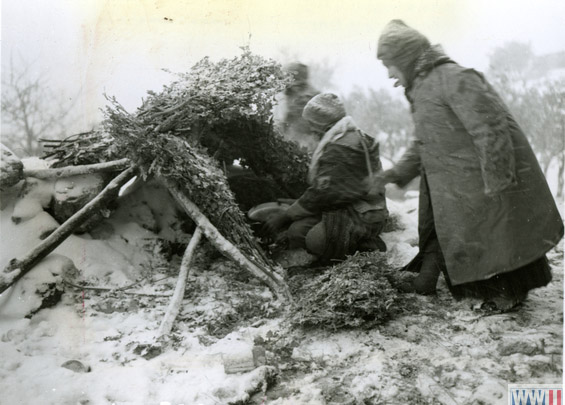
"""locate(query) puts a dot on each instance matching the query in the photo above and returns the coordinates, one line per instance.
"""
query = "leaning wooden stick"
(68, 171)
(18, 268)
(176, 300)
(273, 280)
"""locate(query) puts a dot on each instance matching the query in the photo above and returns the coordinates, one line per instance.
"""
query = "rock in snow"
(73, 193)
(11, 168)
(76, 366)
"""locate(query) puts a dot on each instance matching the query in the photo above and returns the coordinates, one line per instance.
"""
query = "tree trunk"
(18, 268)
(273, 280)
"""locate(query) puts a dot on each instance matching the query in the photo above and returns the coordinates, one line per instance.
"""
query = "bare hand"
(275, 223)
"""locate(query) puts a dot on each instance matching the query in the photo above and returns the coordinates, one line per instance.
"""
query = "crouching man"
(336, 216)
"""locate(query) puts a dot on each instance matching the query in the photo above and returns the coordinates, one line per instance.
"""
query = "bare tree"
(30, 109)
(554, 127)
(514, 59)
(537, 103)
(383, 116)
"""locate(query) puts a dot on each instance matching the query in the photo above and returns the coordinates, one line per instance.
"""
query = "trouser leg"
(298, 230)
(316, 239)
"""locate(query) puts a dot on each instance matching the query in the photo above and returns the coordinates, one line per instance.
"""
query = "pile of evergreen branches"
(357, 293)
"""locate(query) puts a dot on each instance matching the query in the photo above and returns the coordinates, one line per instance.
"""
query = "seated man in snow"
(336, 216)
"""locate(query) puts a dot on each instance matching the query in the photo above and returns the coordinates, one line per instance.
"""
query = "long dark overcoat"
(482, 189)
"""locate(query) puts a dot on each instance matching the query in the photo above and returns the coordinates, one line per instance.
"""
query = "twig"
(78, 170)
(172, 109)
(176, 300)
(110, 289)
(86, 287)
(18, 268)
(127, 287)
(79, 287)
(148, 294)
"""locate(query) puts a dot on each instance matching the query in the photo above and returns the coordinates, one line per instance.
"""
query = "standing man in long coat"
(486, 214)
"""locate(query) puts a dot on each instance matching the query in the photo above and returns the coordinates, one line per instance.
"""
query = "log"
(69, 171)
(273, 280)
(176, 300)
(18, 268)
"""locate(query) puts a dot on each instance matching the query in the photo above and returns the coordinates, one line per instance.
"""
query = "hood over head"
(401, 45)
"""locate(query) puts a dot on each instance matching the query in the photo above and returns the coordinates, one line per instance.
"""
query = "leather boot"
(425, 283)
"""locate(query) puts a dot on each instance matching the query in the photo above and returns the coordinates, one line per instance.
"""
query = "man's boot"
(426, 281)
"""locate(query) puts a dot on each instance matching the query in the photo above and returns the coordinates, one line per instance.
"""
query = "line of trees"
(536, 99)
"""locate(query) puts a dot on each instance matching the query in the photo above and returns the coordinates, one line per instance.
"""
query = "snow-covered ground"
(441, 353)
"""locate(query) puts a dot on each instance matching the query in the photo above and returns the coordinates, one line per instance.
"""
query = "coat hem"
(516, 265)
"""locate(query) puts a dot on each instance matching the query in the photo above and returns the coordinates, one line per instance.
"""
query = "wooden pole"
(18, 268)
(69, 171)
(176, 300)
(273, 280)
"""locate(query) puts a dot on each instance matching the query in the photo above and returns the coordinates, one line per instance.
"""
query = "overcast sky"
(118, 47)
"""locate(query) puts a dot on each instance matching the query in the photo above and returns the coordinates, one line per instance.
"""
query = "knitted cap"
(401, 45)
(324, 110)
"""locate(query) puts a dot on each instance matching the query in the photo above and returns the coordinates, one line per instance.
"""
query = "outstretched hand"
(275, 223)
